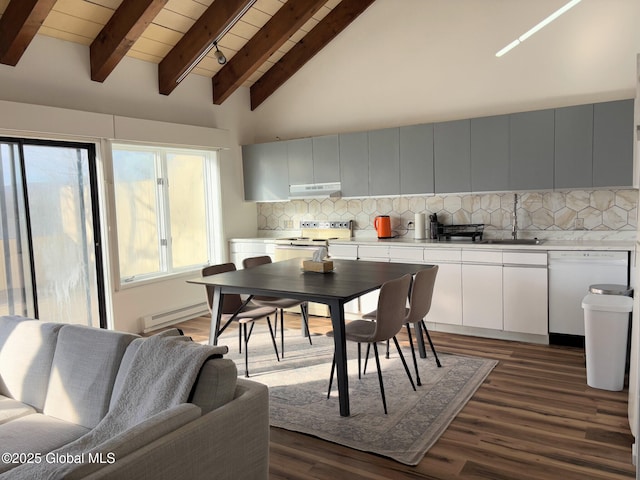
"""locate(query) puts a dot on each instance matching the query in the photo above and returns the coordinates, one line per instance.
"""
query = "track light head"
(219, 55)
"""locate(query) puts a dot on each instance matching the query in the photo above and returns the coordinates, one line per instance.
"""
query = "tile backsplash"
(593, 214)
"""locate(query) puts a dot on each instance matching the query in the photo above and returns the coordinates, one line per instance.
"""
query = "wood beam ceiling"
(197, 40)
(117, 37)
(329, 27)
(287, 20)
(18, 25)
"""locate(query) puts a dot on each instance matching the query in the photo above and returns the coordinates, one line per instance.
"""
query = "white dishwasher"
(570, 275)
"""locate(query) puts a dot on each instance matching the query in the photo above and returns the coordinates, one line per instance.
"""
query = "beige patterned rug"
(298, 394)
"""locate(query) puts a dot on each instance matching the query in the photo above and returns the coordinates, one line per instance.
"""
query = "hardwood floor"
(533, 418)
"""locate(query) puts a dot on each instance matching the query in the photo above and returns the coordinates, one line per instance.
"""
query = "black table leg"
(216, 315)
(420, 340)
(337, 320)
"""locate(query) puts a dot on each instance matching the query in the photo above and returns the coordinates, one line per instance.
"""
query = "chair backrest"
(232, 301)
(392, 302)
(421, 294)
(255, 261)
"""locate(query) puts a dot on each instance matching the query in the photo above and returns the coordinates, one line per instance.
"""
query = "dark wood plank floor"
(533, 418)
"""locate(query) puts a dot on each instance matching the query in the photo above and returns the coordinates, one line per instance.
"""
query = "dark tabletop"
(348, 280)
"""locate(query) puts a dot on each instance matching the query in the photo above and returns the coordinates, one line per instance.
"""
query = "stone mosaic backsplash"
(559, 214)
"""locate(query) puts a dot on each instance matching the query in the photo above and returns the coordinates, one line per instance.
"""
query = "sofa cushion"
(11, 409)
(36, 433)
(215, 385)
(27, 347)
(83, 372)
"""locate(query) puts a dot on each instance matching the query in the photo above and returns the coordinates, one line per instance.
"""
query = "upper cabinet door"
(531, 147)
(384, 162)
(354, 164)
(300, 161)
(613, 144)
(416, 159)
(326, 159)
(490, 154)
(573, 147)
(452, 157)
(266, 176)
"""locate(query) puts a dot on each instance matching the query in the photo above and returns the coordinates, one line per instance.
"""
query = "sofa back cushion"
(83, 371)
(27, 347)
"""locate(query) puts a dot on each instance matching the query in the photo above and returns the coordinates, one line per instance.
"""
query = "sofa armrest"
(229, 442)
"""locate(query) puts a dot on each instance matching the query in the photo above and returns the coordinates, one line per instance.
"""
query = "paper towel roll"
(419, 226)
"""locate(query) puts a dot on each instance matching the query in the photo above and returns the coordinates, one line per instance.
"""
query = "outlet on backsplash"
(579, 223)
(288, 224)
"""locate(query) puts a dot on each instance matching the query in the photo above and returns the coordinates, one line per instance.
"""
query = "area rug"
(298, 394)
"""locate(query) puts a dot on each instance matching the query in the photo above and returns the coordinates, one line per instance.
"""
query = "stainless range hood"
(315, 190)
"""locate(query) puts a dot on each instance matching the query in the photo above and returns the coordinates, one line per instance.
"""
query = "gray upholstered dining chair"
(278, 303)
(419, 306)
(391, 314)
(235, 309)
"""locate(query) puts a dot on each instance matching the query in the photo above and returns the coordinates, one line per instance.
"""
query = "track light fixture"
(219, 55)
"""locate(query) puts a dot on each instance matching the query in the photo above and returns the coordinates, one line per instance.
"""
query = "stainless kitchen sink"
(511, 241)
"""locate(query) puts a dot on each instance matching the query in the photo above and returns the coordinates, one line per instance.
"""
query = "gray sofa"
(58, 382)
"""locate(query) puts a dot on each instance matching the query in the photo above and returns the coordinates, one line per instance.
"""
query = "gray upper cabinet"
(573, 147)
(452, 157)
(326, 159)
(613, 144)
(266, 176)
(416, 159)
(384, 162)
(300, 161)
(531, 144)
(354, 164)
(490, 154)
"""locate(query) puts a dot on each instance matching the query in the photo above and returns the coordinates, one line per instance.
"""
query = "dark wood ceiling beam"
(287, 20)
(19, 23)
(219, 15)
(123, 29)
(329, 27)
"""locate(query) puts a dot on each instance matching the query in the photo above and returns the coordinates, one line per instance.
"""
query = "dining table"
(348, 280)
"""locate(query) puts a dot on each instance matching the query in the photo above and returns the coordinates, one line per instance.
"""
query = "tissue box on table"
(323, 266)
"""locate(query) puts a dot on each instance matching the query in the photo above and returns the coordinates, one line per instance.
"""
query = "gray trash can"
(606, 321)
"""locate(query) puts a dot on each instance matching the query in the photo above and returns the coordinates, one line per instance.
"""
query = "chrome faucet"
(514, 228)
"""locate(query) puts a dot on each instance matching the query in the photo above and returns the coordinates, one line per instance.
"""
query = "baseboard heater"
(170, 317)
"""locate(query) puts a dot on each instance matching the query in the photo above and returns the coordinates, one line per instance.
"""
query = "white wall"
(411, 61)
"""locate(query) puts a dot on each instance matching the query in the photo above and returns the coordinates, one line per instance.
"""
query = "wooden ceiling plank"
(18, 25)
(196, 41)
(328, 28)
(259, 48)
(117, 37)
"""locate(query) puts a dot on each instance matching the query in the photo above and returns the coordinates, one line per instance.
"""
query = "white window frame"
(213, 212)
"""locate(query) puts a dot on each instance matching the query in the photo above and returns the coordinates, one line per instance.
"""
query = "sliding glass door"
(52, 267)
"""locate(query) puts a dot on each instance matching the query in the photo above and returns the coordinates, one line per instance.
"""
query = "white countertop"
(550, 244)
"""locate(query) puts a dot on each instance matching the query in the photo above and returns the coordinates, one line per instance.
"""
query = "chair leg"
(273, 339)
(333, 369)
(246, 350)
(413, 354)
(386, 355)
(384, 400)
(281, 331)
(404, 363)
(304, 311)
(240, 338)
(433, 349)
(366, 359)
(359, 360)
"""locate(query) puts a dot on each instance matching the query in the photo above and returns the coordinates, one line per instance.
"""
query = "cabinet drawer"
(370, 251)
(344, 251)
(524, 258)
(412, 254)
(442, 255)
(482, 256)
(244, 247)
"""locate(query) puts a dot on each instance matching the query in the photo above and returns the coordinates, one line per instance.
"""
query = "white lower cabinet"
(482, 296)
(371, 253)
(525, 293)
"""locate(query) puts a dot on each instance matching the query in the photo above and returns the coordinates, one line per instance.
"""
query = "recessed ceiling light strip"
(539, 26)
